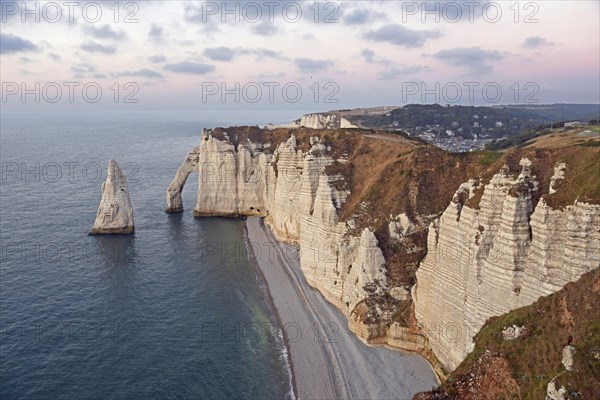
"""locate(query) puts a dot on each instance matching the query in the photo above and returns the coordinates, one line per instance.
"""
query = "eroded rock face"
(400, 226)
(232, 181)
(289, 187)
(559, 174)
(115, 214)
(399, 293)
(485, 262)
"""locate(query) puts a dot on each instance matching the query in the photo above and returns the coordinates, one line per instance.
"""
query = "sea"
(175, 311)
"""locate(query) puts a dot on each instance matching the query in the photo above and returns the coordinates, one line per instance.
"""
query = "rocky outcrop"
(512, 332)
(505, 255)
(345, 124)
(559, 174)
(400, 226)
(568, 354)
(554, 393)
(115, 214)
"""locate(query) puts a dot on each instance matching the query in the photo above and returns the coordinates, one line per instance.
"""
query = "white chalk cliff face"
(291, 190)
(325, 121)
(479, 263)
(505, 255)
(232, 181)
(115, 214)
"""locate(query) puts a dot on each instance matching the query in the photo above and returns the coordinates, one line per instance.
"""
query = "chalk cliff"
(234, 178)
(505, 255)
(115, 214)
(289, 187)
(418, 247)
(325, 121)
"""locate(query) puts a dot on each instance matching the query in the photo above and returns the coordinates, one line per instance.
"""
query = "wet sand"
(328, 361)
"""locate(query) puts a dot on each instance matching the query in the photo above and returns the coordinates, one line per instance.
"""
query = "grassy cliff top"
(578, 148)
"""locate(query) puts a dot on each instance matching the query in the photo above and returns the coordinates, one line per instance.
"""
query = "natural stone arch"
(189, 165)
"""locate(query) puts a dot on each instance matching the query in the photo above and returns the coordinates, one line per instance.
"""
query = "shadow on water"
(179, 236)
(127, 288)
(187, 237)
(117, 251)
(175, 225)
(119, 262)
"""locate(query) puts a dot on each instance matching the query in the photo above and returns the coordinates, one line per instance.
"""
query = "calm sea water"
(147, 316)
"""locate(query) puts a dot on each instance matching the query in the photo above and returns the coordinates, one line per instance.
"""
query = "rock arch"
(189, 165)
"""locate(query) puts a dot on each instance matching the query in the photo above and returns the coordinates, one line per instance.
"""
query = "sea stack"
(115, 214)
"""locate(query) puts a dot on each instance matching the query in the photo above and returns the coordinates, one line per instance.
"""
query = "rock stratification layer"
(505, 255)
(115, 214)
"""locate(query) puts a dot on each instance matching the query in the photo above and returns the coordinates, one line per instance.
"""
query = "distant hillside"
(467, 121)
(562, 112)
(528, 135)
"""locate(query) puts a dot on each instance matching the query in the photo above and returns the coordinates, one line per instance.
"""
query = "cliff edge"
(418, 247)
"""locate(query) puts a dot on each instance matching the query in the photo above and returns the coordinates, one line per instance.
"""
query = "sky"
(288, 55)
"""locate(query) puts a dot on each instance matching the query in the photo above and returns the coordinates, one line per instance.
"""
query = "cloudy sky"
(151, 55)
